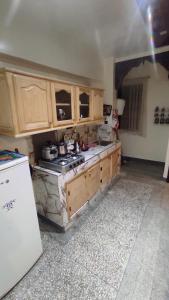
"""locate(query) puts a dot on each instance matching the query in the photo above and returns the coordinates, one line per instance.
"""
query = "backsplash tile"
(88, 134)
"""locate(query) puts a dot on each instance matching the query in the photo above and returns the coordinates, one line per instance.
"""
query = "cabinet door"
(63, 103)
(33, 103)
(105, 167)
(97, 99)
(93, 180)
(6, 119)
(84, 104)
(115, 162)
(77, 195)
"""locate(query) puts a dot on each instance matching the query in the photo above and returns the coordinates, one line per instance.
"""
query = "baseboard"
(59, 228)
(154, 162)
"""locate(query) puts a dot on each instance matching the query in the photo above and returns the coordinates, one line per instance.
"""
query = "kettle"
(49, 152)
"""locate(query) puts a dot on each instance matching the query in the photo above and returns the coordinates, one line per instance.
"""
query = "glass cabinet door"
(63, 103)
(84, 104)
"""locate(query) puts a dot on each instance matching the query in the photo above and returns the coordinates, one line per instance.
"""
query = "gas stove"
(63, 164)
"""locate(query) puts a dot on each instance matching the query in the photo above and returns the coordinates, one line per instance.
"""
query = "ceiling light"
(149, 14)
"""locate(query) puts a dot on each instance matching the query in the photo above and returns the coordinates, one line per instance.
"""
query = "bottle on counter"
(77, 147)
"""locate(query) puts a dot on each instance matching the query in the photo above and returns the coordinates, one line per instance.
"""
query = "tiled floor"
(118, 249)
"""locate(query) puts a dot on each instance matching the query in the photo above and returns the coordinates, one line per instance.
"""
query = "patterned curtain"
(132, 116)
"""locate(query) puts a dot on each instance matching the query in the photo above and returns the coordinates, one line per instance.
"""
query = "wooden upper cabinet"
(84, 104)
(105, 168)
(6, 117)
(33, 103)
(30, 104)
(63, 101)
(97, 102)
(93, 180)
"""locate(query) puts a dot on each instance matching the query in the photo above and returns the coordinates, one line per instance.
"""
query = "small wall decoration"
(161, 115)
(107, 110)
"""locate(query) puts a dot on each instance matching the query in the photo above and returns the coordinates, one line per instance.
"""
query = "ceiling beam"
(142, 54)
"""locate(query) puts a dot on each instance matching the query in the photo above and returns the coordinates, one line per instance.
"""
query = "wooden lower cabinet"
(76, 194)
(83, 187)
(93, 180)
(105, 168)
(115, 162)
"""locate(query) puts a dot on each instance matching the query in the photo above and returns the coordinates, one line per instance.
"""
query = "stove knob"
(75, 165)
(70, 167)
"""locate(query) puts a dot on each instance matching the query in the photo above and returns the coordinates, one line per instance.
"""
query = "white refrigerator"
(20, 242)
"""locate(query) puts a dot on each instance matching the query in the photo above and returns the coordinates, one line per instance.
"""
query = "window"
(133, 92)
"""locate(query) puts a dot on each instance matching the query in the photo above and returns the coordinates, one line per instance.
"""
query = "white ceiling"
(95, 28)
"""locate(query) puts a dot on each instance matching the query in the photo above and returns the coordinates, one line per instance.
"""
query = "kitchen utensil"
(49, 152)
(62, 148)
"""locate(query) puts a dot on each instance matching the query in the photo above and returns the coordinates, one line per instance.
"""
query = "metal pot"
(62, 148)
(49, 152)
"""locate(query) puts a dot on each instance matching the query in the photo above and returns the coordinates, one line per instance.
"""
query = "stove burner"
(63, 165)
(62, 162)
(74, 157)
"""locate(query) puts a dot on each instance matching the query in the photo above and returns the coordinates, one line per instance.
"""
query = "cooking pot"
(49, 152)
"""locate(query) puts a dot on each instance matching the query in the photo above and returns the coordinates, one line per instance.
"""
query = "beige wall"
(24, 145)
(153, 145)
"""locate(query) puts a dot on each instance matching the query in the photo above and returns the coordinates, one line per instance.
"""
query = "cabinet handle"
(68, 193)
(100, 180)
(101, 169)
(70, 208)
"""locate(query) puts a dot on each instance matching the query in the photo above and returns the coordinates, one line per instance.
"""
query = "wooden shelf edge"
(25, 134)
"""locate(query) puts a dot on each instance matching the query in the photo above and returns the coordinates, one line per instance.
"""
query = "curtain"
(132, 92)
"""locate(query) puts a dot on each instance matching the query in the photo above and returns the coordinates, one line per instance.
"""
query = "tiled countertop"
(93, 151)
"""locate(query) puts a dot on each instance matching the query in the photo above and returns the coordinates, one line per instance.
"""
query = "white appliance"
(120, 106)
(20, 242)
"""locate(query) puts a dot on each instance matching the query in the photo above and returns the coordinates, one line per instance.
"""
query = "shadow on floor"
(141, 168)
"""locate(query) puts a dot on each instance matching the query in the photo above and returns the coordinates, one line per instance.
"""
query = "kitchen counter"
(49, 186)
(93, 153)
